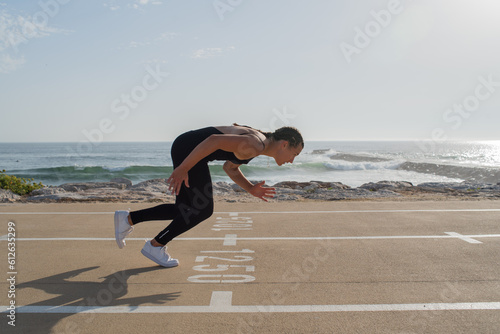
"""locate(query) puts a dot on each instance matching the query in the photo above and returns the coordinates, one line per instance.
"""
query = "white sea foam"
(352, 163)
(342, 165)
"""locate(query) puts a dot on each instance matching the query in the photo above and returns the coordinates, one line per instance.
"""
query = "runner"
(191, 182)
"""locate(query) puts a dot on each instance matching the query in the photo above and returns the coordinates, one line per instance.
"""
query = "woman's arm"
(245, 147)
(234, 172)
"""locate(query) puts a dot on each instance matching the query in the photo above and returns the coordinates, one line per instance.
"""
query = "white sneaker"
(122, 227)
(158, 255)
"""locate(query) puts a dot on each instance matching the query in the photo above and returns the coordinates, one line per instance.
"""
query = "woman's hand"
(175, 180)
(262, 192)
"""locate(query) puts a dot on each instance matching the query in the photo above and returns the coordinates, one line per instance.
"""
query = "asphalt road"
(303, 267)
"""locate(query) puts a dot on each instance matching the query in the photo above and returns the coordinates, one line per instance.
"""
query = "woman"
(192, 185)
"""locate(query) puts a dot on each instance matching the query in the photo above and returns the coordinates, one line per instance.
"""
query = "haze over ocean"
(352, 163)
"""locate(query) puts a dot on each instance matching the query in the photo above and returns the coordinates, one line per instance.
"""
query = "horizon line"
(306, 141)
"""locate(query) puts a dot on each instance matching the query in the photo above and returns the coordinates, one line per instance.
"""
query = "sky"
(148, 70)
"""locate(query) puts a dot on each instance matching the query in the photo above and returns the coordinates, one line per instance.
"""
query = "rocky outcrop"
(114, 191)
(7, 196)
(385, 185)
(122, 190)
(311, 185)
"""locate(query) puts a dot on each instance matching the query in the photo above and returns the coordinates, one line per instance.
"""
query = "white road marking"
(241, 251)
(231, 229)
(448, 236)
(221, 298)
(221, 302)
(57, 213)
(224, 279)
(269, 212)
(369, 211)
(259, 308)
(464, 238)
(230, 240)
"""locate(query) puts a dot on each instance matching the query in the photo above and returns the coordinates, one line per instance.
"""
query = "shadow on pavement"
(109, 292)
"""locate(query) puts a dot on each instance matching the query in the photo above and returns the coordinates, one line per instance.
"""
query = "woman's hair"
(289, 133)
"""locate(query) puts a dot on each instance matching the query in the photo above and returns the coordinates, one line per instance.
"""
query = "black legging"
(194, 204)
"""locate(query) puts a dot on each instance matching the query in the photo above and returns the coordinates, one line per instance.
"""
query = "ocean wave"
(323, 169)
(65, 174)
(340, 165)
(476, 174)
(362, 161)
(322, 151)
(358, 157)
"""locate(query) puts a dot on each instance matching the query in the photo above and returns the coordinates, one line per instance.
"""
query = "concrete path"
(303, 267)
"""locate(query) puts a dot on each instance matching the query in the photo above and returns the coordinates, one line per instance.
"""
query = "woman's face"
(286, 153)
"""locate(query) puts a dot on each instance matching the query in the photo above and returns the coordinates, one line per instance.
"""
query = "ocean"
(350, 162)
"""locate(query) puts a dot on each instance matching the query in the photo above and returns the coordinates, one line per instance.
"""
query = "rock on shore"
(7, 196)
(122, 190)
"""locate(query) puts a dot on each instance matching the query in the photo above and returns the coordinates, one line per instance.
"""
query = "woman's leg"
(159, 212)
(194, 204)
(181, 147)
